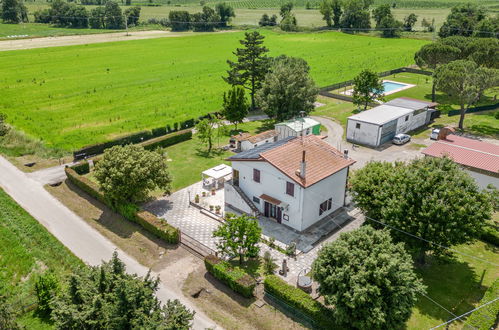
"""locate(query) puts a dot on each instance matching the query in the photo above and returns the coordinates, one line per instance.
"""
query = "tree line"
(109, 16)
(206, 20)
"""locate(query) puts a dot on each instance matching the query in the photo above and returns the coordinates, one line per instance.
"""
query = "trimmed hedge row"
(235, 278)
(81, 168)
(322, 316)
(132, 212)
(168, 140)
(135, 138)
(486, 318)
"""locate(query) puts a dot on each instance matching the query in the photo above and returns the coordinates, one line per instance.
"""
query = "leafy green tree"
(487, 28)
(431, 198)
(206, 20)
(410, 21)
(390, 27)
(427, 25)
(368, 279)
(289, 23)
(465, 82)
(367, 87)
(337, 12)
(97, 18)
(458, 42)
(132, 15)
(14, 11)
(430, 56)
(462, 20)
(268, 21)
(235, 106)
(106, 297)
(355, 15)
(326, 9)
(238, 236)
(484, 52)
(128, 174)
(46, 288)
(4, 128)
(114, 16)
(179, 20)
(288, 89)
(225, 12)
(269, 265)
(251, 66)
(208, 129)
(381, 12)
(286, 9)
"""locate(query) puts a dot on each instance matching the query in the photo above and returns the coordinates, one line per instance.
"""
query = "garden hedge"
(490, 234)
(82, 167)
(132, 212)
(168, 140)
(320, 314)
(235, 278)
(486, 318)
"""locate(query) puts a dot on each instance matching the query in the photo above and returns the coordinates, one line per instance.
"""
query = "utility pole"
(126, 24)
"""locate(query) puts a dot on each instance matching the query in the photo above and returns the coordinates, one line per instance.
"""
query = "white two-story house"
(297, 181)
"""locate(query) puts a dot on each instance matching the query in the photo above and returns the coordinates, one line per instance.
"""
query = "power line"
(462, 315)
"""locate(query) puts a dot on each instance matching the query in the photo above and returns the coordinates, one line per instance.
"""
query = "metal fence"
(196, 246)
(291, 311)
(475, 109)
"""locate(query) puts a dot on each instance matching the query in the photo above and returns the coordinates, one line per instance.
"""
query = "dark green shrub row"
(81, 168)
(135, 138)
(147, 220)
(85, 184)
(235, 278)
(490, 234)
(485, 318)
(320, 314)
(168, 140)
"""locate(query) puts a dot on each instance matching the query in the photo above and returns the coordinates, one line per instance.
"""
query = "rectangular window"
(357, 125)
(256, 200)
(406, 118)
(256, 175)
(329, 203)
(290, 189)
(325, 206)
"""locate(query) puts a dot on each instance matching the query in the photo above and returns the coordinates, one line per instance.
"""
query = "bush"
(320, 314)
(485, 318)
(236, 278)
(168, 140)
(46, 288)
(159, 131)
(81, 168)
(490, 234)
(147, 220)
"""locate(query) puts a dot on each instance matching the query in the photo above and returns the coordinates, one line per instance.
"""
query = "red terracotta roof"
(322, 160)
(467, 152)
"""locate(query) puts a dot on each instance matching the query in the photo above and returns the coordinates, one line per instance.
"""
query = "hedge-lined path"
(83, 240)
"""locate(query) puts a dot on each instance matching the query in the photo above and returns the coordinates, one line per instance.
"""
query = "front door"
(272, 211)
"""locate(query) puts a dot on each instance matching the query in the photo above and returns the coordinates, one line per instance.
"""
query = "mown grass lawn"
(458, 285)
(74, 96)
(26, 249)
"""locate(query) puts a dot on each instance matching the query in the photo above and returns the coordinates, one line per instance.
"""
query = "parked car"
(434, 133)
(401, 139)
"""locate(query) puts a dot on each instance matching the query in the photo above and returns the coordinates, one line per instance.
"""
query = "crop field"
(74, 96)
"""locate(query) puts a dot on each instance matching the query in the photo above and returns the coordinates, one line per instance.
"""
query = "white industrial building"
(295, 181)
(379, 125)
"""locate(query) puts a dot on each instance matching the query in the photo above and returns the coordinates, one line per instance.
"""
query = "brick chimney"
(303, 166)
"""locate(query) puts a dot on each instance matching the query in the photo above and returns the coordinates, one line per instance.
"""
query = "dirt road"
(87, 39)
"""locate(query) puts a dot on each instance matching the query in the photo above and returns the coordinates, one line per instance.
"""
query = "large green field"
(27, 249)
(73, 96)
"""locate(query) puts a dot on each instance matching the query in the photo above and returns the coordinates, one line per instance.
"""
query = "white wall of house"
(273, 184)
(284, 131)
(233, 199)
(331, 187)
(412, 122)
(482, 179)
(366, 134)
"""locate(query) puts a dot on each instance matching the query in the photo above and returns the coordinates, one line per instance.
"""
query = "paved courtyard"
(192, 222)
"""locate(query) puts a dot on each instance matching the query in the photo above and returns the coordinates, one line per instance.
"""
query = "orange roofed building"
(297, 181)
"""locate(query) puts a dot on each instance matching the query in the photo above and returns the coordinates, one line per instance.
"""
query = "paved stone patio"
(177, 211)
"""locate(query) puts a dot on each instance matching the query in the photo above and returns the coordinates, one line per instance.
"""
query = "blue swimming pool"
(391, 86)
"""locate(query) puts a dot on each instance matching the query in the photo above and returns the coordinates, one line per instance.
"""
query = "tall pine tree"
(251, 66)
